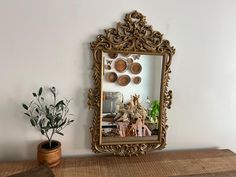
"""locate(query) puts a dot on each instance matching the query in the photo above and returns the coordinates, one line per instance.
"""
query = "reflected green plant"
(154, 110)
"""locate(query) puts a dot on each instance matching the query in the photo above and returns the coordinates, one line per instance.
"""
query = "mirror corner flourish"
(136, 37)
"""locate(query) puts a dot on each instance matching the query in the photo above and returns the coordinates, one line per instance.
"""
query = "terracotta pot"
(49, 156)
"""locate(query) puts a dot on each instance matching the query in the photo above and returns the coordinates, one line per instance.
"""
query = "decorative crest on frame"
(131, 36)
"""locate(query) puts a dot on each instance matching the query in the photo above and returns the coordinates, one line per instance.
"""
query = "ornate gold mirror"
(131, 66)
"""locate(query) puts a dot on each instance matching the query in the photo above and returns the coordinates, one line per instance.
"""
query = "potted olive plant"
(50, 117)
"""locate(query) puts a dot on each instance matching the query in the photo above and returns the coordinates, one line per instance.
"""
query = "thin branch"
(46, 134)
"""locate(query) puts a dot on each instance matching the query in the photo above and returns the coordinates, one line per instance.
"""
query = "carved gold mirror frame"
(136, 37)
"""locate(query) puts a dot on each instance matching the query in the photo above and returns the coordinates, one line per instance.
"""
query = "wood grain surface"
(158, 164)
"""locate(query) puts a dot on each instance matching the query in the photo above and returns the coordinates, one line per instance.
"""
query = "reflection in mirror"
(131, 87)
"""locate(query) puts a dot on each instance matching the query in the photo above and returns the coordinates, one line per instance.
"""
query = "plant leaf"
(59, 133)
(58, 118)
(27, 114)
(34, 94)
(59, 103)
(63, 123)
(49, 117)
(32, 122)
(25, 106)
(41, 124)
(51, 105)
(48, 125)
(42, 131)
(40, 91)
(47, 109)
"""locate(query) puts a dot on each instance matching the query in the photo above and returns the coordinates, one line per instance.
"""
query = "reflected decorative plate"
(130, 60)
(137, 80)
(123, 80)
(113, 55)
(111, 76)
(120, 65)
(135, 68)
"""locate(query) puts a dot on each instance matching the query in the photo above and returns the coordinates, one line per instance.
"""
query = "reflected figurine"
(131, 118)
(138, 128)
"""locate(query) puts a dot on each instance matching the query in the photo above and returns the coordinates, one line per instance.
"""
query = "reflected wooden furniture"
(124, 140)
(201, 163)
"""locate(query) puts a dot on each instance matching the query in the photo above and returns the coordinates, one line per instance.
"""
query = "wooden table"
(201, 163)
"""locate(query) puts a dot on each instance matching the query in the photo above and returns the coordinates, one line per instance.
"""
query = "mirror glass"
(131, 87)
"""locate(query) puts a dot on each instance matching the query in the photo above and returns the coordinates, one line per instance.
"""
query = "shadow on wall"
(17, 151)
(88, 82)
(81, 98)
(84, 120)
(31, 149)
(10, 151)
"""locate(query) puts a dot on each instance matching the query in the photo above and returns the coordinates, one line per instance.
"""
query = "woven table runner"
(218, 174)
(165, 164)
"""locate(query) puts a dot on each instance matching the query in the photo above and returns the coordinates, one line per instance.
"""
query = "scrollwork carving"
(131, 36)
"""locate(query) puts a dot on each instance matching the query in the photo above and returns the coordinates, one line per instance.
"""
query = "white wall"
(47, 43)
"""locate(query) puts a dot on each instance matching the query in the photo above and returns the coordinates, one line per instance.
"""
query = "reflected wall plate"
(137, 80)
(135, 68)
(120, 65)
(113, 55)
(123, 80)
(111, 76)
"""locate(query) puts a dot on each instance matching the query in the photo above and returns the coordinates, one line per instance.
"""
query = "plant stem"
(50, 144)
(50, 140)
(46, 134)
